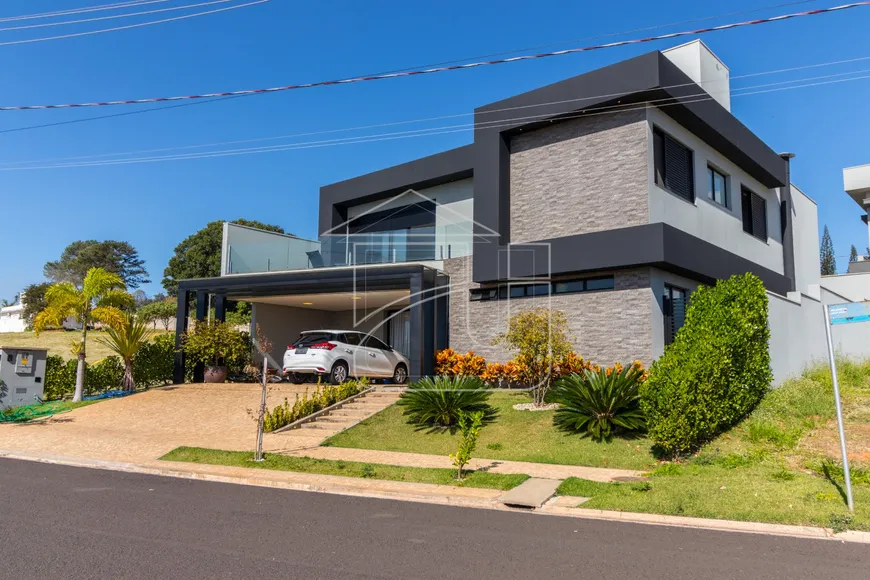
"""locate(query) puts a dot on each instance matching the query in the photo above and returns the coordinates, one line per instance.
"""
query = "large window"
(673, 166)
(754, 214)
(674, 309)
(717, 187)
(504, 291)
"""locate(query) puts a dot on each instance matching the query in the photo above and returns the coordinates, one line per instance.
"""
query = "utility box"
(22, 371)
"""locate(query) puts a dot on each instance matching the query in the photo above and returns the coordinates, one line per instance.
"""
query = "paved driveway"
(144, 426)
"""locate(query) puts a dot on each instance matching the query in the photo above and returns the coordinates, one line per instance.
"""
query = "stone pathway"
(540, 470)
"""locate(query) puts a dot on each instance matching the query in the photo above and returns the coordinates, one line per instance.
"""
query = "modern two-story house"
(610, 196)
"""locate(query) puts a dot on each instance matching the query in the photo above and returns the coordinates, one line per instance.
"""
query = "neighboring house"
(610, 196)
(12, 318)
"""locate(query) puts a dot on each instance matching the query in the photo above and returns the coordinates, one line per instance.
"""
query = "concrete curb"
(429, 493)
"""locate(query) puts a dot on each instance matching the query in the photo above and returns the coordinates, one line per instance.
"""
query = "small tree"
(828, 259)
(155, 312)
(101, 298)
(541, 339)
(470, 425)
(853, 254)
(125, 340)
(264, 347)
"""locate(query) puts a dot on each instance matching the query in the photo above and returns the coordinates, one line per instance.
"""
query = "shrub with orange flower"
(448, 362)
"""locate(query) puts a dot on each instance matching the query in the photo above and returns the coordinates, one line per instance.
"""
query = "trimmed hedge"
(717, 369)
(152, 366)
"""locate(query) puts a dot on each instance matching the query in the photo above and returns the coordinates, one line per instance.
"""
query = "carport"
(405, 304)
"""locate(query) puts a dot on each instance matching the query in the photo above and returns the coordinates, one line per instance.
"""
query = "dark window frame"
(670, 314)
(667, 172)
(754, 213)
(712, 172)
(533, 289)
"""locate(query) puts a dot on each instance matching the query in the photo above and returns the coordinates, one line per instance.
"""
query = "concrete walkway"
(540, 470)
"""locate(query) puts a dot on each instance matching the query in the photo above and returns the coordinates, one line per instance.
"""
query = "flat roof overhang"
(313, 281)
(856, 182)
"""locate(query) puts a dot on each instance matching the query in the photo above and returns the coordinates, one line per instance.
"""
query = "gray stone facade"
(579, 176)
(607, 326)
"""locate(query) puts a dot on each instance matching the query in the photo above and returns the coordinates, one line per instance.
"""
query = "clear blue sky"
(155, 205)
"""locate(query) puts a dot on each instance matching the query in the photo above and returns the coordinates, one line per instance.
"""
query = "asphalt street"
(75, 523)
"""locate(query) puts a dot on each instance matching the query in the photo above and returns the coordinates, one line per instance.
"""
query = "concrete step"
(532, 493)
(336, 420)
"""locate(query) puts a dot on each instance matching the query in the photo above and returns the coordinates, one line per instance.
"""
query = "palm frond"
(99, 281)
(115, 297)
(127, 338)
(109, 315)
(596, 404)
(50, 316)
(438, 402)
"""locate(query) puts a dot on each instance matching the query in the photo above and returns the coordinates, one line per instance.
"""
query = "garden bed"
(513, 436)
(478, 479)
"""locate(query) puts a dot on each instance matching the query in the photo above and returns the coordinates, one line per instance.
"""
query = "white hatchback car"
(341, 354)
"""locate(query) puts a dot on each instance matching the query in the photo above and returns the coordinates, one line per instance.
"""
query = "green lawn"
(56, 407)
(514, 435)
(780, 465)
(479, 479)
(58, 342)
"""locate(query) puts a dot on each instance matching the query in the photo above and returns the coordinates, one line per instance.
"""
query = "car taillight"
(323, 346)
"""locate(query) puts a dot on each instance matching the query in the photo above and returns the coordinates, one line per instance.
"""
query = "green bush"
(153, 364)
(598, 403)
(717, 369)
(321, 398)
(437, 402)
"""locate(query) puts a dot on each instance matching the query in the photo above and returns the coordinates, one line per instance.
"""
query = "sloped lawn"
(781, 465)
(514, 436)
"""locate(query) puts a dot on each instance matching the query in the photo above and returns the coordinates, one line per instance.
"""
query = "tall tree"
(853, 254)
(828, 259)
(199, 255)
(33, 298)
(120, 258)
(100, 298)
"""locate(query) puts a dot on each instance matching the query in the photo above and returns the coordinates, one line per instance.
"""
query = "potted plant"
(216, 345)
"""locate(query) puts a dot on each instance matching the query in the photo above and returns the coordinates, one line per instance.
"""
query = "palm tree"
(125, 340)
(100, 299)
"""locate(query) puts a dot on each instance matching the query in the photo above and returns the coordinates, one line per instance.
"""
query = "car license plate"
(301, 350)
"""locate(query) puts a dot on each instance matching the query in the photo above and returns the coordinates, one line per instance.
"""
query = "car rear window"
(313, 338)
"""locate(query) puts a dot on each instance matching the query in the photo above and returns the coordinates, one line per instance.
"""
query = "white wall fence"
(797, 334)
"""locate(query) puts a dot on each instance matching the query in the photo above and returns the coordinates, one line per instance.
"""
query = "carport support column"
(220, 308)
(422, 313)
(201, 314)
(442, 319)
(182, 310)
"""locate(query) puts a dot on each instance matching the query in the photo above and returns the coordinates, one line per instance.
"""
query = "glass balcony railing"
(248, 250)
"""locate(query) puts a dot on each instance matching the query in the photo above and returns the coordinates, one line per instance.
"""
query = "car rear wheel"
(338, 374)
(400, 375)
(296, 378)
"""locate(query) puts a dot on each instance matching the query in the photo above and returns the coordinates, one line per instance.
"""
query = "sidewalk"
(540, 470)
(428, 493)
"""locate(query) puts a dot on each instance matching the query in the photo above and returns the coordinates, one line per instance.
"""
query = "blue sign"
(847, 313)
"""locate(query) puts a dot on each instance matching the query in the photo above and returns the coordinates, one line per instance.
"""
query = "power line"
(437, 69)
(72, 11)
(413, 121)
(115, 16)
(599, 36)
(612, 109)
(117, 28)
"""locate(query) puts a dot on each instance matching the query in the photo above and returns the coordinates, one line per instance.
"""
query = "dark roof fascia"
(316, 280)
(650, 76)
(653, 245)
(430, 171)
